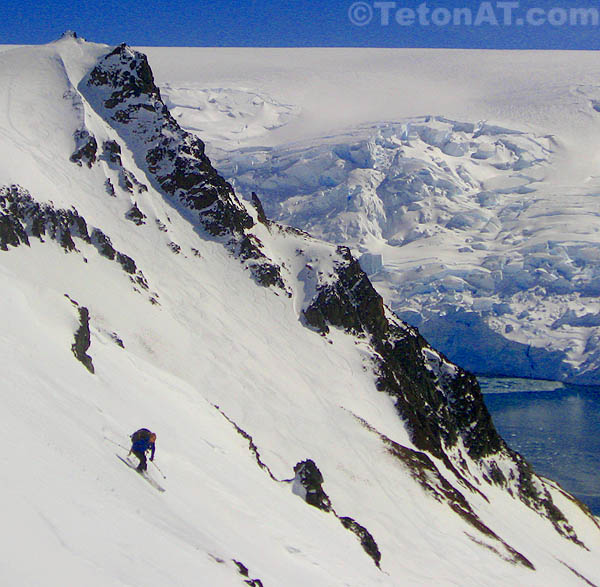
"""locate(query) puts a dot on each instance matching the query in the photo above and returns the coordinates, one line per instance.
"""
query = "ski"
(142, 474)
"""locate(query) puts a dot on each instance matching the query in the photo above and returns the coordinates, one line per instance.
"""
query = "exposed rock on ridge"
(122, 90)
(21, 217)
(441, 403)
(83, 340)
(307, 483)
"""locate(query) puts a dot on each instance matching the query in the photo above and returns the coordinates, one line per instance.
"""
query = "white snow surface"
(73, 513)
(473, 173)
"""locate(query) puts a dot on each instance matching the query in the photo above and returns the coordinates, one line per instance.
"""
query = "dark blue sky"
(506, 24)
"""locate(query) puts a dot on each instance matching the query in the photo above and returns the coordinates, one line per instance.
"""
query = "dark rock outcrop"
(262, 217)
(136, 215)
(83, 340)
(121, 87)
(111, 154)
(308, 483)
(21, 217)
(310, 479)
(263, 270)
(366, 539)
(110, 188)
(423, 470)
(129, 182)
(251, 445)
(104, 245)
(243, 570)
(438, 407)
(86, 148)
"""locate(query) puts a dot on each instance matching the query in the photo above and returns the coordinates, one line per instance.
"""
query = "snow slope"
(481, 196)
(185, 342)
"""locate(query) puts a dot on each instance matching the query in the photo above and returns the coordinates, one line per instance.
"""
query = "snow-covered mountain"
(305, 433)
(473, 174)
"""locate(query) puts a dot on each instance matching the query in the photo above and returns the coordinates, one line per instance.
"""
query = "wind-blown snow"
(202, 335)
(224, 114)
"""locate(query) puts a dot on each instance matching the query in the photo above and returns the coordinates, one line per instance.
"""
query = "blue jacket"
(143, 444)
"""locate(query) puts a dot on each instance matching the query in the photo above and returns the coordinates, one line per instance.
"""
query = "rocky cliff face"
(121, 87)
(441, 403)
(22, 218)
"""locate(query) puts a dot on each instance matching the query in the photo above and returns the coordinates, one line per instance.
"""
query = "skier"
(141, 441)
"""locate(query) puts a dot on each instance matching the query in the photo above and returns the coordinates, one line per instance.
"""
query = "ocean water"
(555, 426)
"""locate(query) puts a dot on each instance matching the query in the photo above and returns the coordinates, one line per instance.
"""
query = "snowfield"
(480, 194)
(237, 388)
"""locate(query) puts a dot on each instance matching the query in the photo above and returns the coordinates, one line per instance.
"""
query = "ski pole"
(110, 440)
(158, 469)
